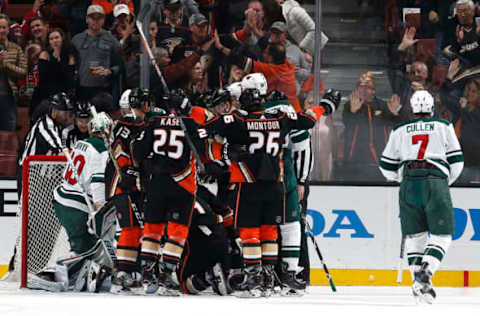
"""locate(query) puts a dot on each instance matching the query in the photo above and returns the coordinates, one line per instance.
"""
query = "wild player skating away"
(424, 155)
(90, 242)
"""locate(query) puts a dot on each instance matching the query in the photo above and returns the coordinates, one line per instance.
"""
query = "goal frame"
(25, 191)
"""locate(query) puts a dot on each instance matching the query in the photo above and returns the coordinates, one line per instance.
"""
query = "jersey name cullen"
(263, 126)
(420, 127)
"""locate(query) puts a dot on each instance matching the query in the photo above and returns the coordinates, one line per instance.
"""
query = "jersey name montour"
(420, 127)
(263, 126)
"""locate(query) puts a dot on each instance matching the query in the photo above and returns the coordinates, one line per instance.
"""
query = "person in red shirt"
(279, 72)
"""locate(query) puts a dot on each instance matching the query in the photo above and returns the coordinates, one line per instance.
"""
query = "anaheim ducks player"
(424, 155)
(92, 262)
(173, 175)
(123, 191)
(259, 201)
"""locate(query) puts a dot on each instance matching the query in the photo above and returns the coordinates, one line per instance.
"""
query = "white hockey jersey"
(90, 159)
(429, 139)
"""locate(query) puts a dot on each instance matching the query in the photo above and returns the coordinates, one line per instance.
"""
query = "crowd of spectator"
(91, 51)
(434, 46)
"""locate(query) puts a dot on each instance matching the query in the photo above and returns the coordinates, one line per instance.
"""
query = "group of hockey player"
(204, 196)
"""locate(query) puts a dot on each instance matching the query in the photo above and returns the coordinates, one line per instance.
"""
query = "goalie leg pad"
(414, 248)
(290, 246)
(437, 246)
(176, 236)
(268, 237)
(252, 252)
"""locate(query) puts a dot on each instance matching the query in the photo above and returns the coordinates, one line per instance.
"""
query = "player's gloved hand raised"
(179, 101)
(331, 101)
(129, 178)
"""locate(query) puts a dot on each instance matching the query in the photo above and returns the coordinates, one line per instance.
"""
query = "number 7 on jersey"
(423, 139)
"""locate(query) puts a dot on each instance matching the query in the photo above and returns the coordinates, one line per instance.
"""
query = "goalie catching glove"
(330, 101)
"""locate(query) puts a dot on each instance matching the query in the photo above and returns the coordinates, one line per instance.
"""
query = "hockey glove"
(330, 101)
(214, 171)
(129, 178)
(180, 102)
(235, 152)
(235, 241)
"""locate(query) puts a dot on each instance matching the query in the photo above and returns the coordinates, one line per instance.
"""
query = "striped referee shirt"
(44, 138)
(302, 154)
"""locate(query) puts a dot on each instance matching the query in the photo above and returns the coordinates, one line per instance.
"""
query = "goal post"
(42, 240)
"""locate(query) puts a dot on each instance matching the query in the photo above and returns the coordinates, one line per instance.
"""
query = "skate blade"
(151, 288)
(120, 290)
(292, 292)
(162, 291)
(256, 293)
(218, 273)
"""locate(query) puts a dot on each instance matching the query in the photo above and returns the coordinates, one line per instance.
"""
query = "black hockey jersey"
(263, 133)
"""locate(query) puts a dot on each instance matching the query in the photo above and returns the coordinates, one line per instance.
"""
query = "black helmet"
(82, 109)
(61, 102)
(276, 95)
(250, 100)
(138, 96)
(220, 96)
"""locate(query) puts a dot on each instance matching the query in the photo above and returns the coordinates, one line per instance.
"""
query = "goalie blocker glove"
(330, 101)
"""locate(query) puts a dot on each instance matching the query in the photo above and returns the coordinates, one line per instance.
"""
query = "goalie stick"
(146, 9)
(327, 273)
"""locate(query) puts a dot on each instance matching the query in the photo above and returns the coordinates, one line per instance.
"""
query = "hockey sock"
(437, 246)
(290, 246)
(172, 250)
(127, 248)
(152, 235)
(252, 252)
(268, 237)
(414, 247)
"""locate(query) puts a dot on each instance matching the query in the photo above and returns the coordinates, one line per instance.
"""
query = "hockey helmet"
(220, 96)
(138, 97)
(255, 81)
(422, 102)
(82, 109)
(61, 102)
(250, 100)
(100, 123)
(124, 102)
(235, 89)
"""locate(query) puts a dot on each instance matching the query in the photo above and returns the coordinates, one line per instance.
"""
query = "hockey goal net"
(42, 239)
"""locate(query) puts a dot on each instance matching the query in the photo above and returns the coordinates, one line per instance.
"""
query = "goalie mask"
(255, 81)
(422, 102)
(102, 123)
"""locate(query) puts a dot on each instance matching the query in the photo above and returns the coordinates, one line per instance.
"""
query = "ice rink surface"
(319, 301)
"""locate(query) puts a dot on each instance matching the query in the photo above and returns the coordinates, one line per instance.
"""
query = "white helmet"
(100, 123)
(124, 99)
(422, 102)
(255, 81)
(235, 89)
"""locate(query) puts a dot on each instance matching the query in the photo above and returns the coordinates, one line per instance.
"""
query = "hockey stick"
(400, 262)
(143, 38)
(329, 277)
(92, 212)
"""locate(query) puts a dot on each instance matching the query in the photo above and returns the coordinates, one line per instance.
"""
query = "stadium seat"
(8, 153)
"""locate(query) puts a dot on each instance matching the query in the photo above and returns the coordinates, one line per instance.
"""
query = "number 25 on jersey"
(168, 143)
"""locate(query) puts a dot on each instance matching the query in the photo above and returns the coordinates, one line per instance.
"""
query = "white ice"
(319, 301)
